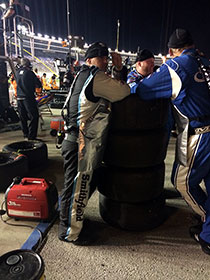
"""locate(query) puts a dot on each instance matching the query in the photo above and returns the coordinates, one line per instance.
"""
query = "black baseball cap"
(97, 49)
(180, 38)
(25, 62)
(144, 54)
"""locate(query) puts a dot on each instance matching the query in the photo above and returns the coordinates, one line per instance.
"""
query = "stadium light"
(22, 28)
(53, 37)
(46, 36)
(39, 35)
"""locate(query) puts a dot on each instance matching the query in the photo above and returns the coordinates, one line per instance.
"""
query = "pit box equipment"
(31, 198)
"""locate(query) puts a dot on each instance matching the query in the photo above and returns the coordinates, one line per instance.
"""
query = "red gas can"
(32, 198)
(56, 124)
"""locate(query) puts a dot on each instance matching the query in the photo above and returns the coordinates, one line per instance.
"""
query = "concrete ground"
(166, 252)
(13, 237)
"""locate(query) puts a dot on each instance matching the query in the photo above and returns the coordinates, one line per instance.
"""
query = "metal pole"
(4, 91)
(68, 29)
(118, 34)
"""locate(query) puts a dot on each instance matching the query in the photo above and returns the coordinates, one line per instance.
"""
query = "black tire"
(36, 151)
(134, 114)
(138, 216)
(136, 150)
(132, 185)
(53, 132)
(11, 115)
(11, 165)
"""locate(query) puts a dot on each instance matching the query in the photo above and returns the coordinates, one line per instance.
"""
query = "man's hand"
(117, 61)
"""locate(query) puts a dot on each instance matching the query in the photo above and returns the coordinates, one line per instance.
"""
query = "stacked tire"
(12, 165)
(35, 151)
(131, 191)
(18, 158)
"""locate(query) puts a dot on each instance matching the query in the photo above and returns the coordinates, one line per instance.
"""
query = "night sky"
(143, 23)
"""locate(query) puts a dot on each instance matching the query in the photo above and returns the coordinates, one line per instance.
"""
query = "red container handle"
(26, 181)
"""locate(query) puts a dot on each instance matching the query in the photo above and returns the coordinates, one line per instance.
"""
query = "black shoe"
(86, 237)
(85, 240)
(195, 230)
(205, 246)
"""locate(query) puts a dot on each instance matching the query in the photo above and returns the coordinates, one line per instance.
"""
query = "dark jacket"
(27, 81)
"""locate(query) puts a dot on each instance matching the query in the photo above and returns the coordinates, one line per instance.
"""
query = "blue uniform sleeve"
(157, 85)
(133, 80)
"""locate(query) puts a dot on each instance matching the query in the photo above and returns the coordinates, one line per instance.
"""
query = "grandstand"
(48, 54)
(45, 50)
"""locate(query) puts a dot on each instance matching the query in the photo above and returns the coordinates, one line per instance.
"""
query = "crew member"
(183, 80)
(44, 82)
(38, 90)
(86, 122)
(27, 81)
(14, 84)
(53, 84)
(16, 7)
(144, 66)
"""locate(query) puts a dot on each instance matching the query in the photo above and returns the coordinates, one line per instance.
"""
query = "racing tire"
(133, 216)
(134, 114)
(36, 151)
(136, 150)
(53, 132)
(11, 165)
(132, 185)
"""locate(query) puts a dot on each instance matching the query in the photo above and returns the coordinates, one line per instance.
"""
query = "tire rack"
(131, 192)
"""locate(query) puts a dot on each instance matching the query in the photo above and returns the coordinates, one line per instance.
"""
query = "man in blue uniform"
(144, 66)
(182, 80)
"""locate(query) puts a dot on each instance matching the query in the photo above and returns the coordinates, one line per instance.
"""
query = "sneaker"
(205, 246)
